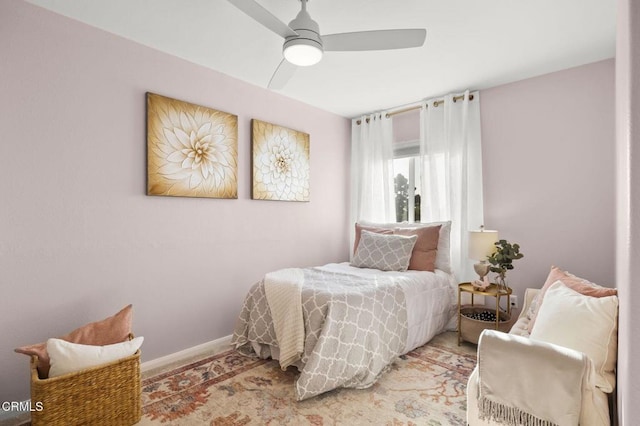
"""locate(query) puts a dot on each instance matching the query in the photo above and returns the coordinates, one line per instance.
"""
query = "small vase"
(502, 283)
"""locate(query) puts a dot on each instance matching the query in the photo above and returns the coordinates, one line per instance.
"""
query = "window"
(406, 179)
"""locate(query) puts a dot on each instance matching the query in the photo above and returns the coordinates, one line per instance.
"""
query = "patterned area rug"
(425, 387)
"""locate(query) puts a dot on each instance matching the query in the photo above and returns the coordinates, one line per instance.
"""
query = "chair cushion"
(578, 284)
(584, 323)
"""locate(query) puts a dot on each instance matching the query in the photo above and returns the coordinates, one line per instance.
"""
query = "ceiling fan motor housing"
(308, 38)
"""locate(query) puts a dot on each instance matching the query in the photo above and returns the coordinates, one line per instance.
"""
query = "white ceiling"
(471, 44)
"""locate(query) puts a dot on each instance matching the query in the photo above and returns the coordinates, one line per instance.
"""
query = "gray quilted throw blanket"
(355, 326)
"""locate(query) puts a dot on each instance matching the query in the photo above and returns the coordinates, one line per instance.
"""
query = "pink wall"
(549, 172)
(628, 204)
(79, 239)
(548, 165)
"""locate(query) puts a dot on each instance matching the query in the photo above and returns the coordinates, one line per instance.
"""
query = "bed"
(342, 325)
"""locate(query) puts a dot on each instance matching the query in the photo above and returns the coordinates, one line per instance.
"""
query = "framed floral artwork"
(192, 151)
(280, 163)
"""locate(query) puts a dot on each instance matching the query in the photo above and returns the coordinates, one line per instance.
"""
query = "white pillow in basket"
(67, 357)
(583, 323)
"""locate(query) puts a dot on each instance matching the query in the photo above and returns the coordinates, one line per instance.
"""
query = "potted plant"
(502, 260)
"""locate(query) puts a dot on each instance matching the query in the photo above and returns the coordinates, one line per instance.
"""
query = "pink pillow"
(114, 329)
(577, 284)
(359, 229)
(423, 257)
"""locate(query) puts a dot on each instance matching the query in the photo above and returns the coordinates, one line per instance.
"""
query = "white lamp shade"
(481, 244)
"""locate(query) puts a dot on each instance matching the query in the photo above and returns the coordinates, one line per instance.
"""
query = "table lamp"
(481, 245)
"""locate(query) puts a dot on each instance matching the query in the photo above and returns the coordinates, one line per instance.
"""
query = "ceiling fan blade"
(264, 17)
(283, 73)
(375, 40)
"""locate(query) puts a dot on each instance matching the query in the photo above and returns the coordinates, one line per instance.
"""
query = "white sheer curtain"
(372, 170)
(451, 164)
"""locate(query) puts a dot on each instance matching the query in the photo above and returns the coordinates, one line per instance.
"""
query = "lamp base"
(482, 269)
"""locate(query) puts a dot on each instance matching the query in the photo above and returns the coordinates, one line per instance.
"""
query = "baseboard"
(209, 348)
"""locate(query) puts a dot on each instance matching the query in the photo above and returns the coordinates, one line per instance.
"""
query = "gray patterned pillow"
(384, 252)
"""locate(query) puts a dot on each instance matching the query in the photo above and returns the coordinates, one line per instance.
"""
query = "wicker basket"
(103, 395)
(470, 328)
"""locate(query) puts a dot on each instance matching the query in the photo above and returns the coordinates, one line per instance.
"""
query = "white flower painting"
(192, 151)
(280, 163)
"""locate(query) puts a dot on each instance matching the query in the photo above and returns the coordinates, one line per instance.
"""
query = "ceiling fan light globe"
(303, 53)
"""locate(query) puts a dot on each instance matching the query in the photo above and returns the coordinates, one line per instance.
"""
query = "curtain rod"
(436, 103)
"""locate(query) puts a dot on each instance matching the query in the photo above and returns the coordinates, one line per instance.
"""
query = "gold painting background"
(280, 163)
(192, 151)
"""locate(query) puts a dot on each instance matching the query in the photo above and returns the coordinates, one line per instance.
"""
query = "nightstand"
(469, 329)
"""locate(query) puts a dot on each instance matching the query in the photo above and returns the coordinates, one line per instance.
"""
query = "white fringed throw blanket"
(284, 297)
(532, 384)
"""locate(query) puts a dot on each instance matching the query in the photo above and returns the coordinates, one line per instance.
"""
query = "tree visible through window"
(406, 188)
(402, 197)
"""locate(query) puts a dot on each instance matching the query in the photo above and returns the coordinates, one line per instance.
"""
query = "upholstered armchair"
(557, 364)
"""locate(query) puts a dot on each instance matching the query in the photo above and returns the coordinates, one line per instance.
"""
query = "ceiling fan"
(304, 46)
